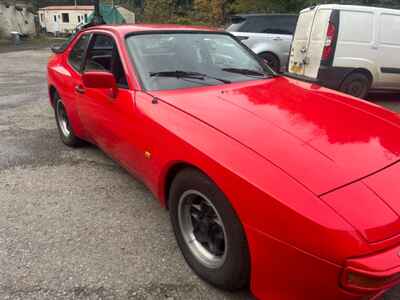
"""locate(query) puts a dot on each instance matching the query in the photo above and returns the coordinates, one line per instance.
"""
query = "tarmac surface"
(73, 224)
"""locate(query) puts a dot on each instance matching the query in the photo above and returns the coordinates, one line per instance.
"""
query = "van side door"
(389, 50)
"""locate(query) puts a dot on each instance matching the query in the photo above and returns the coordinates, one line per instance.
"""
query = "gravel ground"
(73, 224)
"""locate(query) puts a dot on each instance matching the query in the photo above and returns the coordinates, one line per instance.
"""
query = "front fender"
(263, 196)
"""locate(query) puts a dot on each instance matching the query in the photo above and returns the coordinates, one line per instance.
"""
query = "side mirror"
(100, 80)
(57, 48)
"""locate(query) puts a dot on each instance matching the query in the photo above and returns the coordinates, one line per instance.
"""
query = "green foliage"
(158, 11)
(212, 12)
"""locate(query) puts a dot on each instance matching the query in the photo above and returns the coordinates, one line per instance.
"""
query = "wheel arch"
(52, 92)
(358, 65)
(171, 173)
(362, 71)
(272, 53)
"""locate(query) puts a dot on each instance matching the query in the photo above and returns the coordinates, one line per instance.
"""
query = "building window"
(65, 17)
(55, 18)
(79, 19)
(85, 18)
(42, 17)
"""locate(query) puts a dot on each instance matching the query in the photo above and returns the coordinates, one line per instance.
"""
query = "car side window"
(280, 25)
(118, 71)
(271, 24)
(100, 53)
(103, 56)
(77, 54)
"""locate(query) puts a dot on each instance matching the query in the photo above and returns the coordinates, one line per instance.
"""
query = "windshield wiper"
(186, 74)
(248, 72)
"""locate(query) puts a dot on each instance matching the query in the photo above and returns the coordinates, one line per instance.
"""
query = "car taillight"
(330, 37)
(367, 282)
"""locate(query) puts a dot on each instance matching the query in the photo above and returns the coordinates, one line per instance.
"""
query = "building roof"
(68, 7)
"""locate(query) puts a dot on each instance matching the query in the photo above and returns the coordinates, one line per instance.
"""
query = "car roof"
(137, 28)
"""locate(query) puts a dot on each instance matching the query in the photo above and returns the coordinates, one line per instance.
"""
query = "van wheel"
(208, 232)
(356, 84)
(272, 61)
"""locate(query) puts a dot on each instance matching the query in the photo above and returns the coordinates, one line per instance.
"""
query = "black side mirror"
(57, 48)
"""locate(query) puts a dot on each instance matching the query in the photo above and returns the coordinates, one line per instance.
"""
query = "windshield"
(167, 61)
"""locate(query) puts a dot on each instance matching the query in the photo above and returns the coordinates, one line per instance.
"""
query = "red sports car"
(269, 181)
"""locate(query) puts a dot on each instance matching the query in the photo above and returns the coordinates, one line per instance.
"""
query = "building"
(63, 19)
(15, 16)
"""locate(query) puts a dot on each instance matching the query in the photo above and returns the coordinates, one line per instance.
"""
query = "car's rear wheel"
(63, 124)
(356, 84)
(208, 232)
(271, 60)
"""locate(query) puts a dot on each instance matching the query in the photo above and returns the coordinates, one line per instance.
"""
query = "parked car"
(266, 178)
(268, 35)
(349, 48)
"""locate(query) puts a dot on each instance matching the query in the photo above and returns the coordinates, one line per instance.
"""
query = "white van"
(349, 48)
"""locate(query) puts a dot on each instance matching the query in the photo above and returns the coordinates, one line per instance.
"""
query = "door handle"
(277, 38)
(80, 89)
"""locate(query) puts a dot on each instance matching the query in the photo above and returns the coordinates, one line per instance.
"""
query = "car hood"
(321, 138)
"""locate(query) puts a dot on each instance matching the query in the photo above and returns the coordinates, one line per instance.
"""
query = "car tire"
(356, 84)
(272, 61)
(208, 232)
(65, 130)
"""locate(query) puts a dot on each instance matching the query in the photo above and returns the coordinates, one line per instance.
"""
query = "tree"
(159, 11)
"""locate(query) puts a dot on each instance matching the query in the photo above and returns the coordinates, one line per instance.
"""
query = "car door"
(388, 50)
(110, 119)
(316, 43)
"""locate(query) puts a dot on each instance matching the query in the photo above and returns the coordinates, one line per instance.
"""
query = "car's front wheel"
(208, 232)
(65, 130)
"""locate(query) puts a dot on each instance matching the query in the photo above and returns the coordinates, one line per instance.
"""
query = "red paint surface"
(311, 173)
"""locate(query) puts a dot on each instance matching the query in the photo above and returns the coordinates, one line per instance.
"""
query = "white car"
(349, 48)
(268, 35)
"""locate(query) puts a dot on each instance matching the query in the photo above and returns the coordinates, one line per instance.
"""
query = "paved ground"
(74, 225)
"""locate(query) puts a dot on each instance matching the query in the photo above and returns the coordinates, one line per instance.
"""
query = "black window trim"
(80, 70)
(115, 48)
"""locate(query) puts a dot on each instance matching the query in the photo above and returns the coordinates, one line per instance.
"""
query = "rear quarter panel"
(63, 79)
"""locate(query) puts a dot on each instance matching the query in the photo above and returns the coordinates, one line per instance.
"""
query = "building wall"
(52, 20)
(13, 19)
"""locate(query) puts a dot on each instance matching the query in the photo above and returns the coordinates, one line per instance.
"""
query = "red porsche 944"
(281, 185)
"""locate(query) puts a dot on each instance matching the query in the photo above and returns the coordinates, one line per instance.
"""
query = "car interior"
(103, 56)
